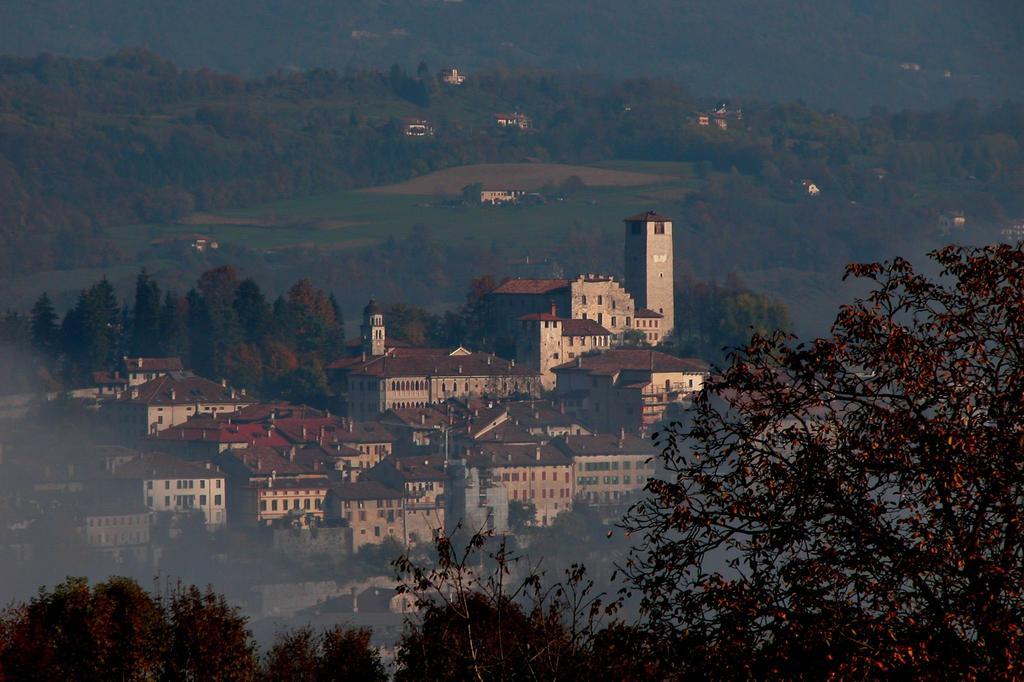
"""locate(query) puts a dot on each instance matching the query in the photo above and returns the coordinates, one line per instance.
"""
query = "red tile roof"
(619, 359)
(583, 328)
(159, 465)
(605, 444)
(262, 460)
(171, 390)
(516, 455)
(152, 364)
(544, 317)
(364, 490)
(474, 364)
(647, 312)
(530, 286)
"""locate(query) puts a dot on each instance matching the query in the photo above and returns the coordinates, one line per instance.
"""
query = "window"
(202, 483)
(584, 300)
(216, 500)
(167, 500)
(202, 500)
(600, 300)
(659, 228)
(149, 485)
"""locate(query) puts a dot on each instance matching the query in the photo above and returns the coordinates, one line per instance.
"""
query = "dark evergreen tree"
(254, 315)
(174, 332)
(45, 332)
(145, 317)
(201, 349)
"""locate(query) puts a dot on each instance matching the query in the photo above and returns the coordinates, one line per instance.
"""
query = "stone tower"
(539, 344)
(372, 329)
(648, 261)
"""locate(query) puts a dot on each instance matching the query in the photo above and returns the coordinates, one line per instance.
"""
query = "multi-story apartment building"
(628, 389)
(608, 469)
(275, 499)
(373, 511)
(118, 530)
(423, 482)
(168, 401)
(167, 484)
(536, 473)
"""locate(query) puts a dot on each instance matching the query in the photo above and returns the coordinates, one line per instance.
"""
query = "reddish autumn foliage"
(852, 507)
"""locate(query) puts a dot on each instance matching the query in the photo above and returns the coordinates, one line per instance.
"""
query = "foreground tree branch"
(851, 506)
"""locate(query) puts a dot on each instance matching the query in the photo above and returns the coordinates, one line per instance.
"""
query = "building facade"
(546, 340)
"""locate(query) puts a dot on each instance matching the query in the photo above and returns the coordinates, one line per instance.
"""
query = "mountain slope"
(850, 54)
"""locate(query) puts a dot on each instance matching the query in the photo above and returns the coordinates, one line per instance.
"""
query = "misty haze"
(475, 339)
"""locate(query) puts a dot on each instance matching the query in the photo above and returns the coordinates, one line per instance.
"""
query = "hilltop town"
(420, 441)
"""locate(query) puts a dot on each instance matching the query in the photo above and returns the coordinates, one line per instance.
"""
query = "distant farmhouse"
(720, 116)
(513, 120)
(951, 221)
(501, 196)
(452, 76)
(417, 127)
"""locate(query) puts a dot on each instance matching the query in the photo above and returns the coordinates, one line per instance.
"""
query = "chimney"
(174, 394)
(350, 425)
(537, 453)
(423, 418)
(554, 309)
(223, 383)
(364, 356)
(232, 393)
(303, 433)
(513, 362)
(460, 369)
(243, 392)
(291, 454)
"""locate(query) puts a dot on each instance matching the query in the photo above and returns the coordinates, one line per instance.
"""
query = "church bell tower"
(372, 329)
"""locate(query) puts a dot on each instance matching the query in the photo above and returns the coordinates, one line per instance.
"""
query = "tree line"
(222, 327)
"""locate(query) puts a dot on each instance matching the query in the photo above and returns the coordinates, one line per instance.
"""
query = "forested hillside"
(96, 155)
(842, 53)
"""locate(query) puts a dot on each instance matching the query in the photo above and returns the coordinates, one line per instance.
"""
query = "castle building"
(648, 261)
(546, 340)
(601, 299)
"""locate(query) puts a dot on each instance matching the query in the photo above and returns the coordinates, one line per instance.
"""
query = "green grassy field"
(353, 219)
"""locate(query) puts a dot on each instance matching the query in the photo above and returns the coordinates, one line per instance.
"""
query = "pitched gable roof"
(530, 286)
(619, 359)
